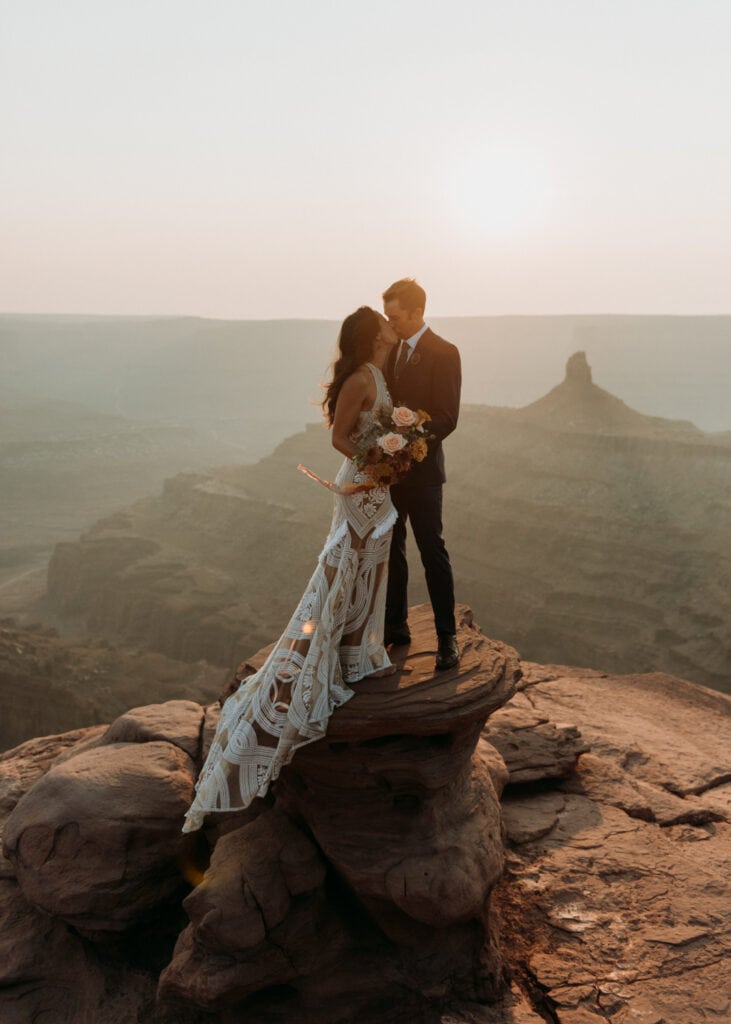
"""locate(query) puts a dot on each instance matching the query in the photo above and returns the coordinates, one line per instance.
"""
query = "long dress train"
(334, 638)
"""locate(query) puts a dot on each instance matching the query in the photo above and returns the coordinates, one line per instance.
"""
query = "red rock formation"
(616, 898)
(95, 841)
(409, 828)
(47, 972)
(364, 888)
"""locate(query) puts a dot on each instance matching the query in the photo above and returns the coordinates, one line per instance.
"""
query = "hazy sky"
(233, 158)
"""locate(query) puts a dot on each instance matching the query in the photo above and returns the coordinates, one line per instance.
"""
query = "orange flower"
(418, 449)
(383, 473)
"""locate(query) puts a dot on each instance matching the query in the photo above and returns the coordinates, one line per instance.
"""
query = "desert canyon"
(515, 841)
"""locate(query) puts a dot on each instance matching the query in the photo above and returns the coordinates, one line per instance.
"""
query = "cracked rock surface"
(615, 902)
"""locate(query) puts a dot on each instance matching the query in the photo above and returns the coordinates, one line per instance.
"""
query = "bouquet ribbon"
(343, 491)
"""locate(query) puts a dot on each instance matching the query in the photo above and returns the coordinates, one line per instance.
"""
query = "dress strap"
(382, 394)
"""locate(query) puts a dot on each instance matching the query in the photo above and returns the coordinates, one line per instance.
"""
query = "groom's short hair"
(408, 292)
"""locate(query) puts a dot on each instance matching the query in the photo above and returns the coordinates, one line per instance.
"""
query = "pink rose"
(403, 417)
(392, 443)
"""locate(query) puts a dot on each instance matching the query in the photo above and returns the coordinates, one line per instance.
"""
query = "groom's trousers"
(422, 507)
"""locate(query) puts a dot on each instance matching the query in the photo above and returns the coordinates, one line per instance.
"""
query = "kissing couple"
(355, 605)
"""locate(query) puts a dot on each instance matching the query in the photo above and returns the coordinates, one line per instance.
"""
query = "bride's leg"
(363, 654)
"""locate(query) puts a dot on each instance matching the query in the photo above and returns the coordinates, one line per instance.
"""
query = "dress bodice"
(369, 511)
(382, 400)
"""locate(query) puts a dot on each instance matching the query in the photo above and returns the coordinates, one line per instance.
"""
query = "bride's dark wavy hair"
(356, 342)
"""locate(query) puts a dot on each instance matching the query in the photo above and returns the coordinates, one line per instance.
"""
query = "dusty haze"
(587, 526)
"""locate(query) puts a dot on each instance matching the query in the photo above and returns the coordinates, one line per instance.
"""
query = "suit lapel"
(417, 355)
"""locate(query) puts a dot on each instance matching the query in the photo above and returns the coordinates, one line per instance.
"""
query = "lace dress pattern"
(334, 638)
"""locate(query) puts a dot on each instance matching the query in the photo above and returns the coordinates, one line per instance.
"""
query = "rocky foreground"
(382, 881)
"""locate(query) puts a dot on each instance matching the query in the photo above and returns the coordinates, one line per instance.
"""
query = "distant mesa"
(578, 370)
(577, 404)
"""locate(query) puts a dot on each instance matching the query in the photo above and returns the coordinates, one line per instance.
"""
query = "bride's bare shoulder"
(359, 380)
(356, 393)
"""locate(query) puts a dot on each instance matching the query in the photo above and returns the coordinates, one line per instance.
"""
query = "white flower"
(392, 443)
(403, 417)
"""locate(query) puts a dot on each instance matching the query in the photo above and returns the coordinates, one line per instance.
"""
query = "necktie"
(403, 358)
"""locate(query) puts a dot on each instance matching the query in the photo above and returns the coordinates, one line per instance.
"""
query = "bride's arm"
(351, 400)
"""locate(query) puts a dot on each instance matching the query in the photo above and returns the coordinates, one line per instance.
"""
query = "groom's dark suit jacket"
(431, 380)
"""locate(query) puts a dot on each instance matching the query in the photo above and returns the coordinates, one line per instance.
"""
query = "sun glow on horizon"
(283, 161)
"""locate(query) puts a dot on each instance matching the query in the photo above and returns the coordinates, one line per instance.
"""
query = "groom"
(423, 372)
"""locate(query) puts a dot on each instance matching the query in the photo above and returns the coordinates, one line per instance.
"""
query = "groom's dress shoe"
(447, 652)
(399, 635)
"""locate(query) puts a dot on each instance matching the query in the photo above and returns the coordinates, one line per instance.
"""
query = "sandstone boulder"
(23, 766)
(261, 918)
(417, 700)
(408, 848)
(45, 972)
(176, 721)
(94, 842)
(531, 745)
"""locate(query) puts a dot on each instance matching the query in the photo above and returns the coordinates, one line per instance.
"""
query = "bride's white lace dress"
(334, 638)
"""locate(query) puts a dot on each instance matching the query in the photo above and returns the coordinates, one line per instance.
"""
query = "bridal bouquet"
(395, 440)
(386, 450)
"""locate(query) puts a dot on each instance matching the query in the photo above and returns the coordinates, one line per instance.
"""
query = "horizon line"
(333, 319)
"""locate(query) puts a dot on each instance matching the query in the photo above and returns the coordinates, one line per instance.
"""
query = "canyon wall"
(581, 531)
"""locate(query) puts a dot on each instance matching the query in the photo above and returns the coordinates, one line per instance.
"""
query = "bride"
(335, 636)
